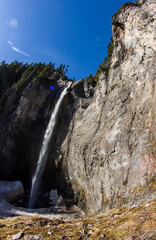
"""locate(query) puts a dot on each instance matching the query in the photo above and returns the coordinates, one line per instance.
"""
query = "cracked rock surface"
(110, 150)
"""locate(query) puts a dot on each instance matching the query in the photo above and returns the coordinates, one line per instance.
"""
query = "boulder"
(11, 190)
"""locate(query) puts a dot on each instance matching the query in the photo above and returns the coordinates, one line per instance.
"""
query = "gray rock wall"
(111, 144)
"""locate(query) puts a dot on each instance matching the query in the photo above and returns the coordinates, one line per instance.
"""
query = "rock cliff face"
(26, 110)
(103, 152)
(110, 149)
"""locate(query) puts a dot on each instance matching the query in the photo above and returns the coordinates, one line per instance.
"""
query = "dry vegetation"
(123, 223)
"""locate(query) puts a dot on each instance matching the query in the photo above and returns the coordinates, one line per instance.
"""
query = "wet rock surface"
(11, 192)
(26, 113)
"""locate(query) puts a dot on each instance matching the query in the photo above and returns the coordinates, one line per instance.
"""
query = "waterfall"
(43, 153)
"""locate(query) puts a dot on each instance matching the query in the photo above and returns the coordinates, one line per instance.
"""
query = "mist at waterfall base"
(44, 150)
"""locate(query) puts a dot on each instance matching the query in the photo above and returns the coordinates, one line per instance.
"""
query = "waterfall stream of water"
(43, 153)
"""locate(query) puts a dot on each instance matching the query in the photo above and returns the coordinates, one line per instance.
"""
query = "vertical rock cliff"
(110, 149)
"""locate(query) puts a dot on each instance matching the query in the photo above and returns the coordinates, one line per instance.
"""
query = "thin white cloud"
(98, 42)
(19, 51)
(98, 39)
(10, 42)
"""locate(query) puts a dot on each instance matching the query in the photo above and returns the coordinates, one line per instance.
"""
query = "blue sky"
(72, 32)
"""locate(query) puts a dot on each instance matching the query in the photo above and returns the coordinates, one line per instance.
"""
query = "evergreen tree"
(18, 72)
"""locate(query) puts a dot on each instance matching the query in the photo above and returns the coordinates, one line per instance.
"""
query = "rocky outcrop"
(26, 110)
(103, 151)
(110, 149)
(11, 190)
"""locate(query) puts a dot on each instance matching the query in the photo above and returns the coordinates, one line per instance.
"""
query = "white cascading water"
(43, 153)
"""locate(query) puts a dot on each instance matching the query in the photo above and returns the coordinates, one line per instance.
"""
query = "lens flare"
(10, 42)
(13, 23)
(19, 51)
